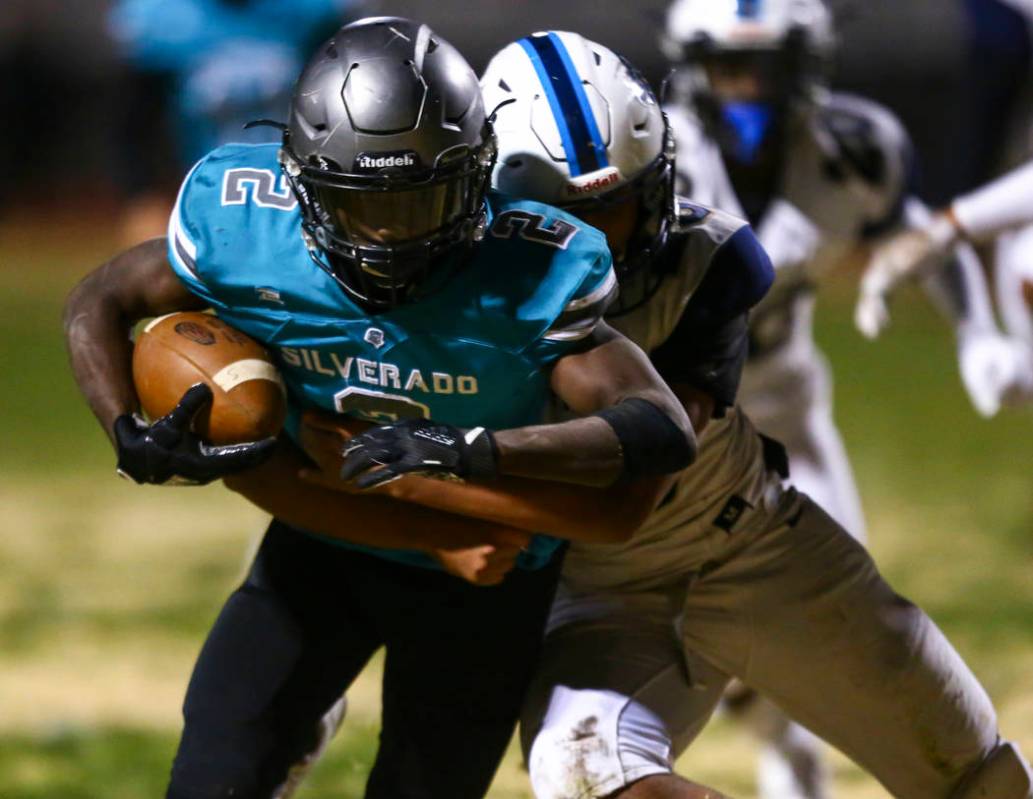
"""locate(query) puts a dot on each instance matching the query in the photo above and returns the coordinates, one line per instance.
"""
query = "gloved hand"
(992, 370)
(419, 446)
(906, 255)
(168, 453)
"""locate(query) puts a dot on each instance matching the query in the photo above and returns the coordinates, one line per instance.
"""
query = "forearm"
(366, 519)
(100, 352)
(99, 315)
(592, 450)
(584, 451)
(576, 513)
(958, 289)
(560, 509)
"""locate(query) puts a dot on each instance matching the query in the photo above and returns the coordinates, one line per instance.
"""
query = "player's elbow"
(655, 434)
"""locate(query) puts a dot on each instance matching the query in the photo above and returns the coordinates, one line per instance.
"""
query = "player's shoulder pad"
(867, 142)
(738, 270)
(707, 227)
(225, 203)
(558, 267)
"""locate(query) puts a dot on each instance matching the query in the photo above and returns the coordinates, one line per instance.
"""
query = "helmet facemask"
(638, 268)
(389, 153)
(382, 235)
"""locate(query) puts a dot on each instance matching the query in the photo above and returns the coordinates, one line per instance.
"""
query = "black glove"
(167, 452)
(419, 446)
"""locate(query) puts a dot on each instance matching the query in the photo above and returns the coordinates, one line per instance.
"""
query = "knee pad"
(593, 743)
(1003, 774)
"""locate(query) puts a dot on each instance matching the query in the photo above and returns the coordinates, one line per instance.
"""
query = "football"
(176, 351)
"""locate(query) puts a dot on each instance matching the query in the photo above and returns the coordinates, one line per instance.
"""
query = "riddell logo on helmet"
(596, 184)
(400, 159)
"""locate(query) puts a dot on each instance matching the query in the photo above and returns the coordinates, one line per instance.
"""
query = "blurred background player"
(818, 175)
(198, 71)
(731, 575)
(1003, 211)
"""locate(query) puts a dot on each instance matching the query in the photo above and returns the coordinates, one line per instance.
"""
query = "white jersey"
(999, 206)
(845, 175)
(680, 535)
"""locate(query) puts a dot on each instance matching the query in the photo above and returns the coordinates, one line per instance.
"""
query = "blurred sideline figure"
(733, 574)
(200, 70)
(998, 215)
(1002, 211)
(818, 174)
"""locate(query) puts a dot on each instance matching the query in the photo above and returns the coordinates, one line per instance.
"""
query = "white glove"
(908, 254)
(994, 370)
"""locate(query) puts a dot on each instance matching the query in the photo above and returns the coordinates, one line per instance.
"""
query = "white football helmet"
(747, 25)
(784, 45)
(578, 127)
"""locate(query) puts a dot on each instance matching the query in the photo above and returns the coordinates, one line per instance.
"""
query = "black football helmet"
(390, 154)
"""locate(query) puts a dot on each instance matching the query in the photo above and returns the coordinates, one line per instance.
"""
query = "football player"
(996, 211)
(198, 71)
(368, 254)
(733, 574)
(818, 175)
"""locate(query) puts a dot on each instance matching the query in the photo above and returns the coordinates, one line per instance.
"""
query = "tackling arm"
(615, 381)
(474, 550)
(577, 513)
(638, 430)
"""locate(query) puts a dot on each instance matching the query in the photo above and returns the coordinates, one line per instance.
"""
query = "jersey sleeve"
(586, 308)
(186, 233)
(708, 348)
(581, 313)
(997, 207)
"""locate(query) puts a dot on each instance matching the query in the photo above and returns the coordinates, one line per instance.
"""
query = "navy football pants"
(299, 630)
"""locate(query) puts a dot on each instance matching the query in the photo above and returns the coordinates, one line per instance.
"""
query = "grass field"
(106, 589)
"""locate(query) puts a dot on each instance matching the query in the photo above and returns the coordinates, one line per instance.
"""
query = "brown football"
(173, 352)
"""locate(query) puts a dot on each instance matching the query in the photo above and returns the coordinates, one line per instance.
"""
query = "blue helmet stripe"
(598, 146)
(584, 151)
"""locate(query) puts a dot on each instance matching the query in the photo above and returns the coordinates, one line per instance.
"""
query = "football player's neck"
(617, 223)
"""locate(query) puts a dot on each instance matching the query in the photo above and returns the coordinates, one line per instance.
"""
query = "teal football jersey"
(475, 352)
